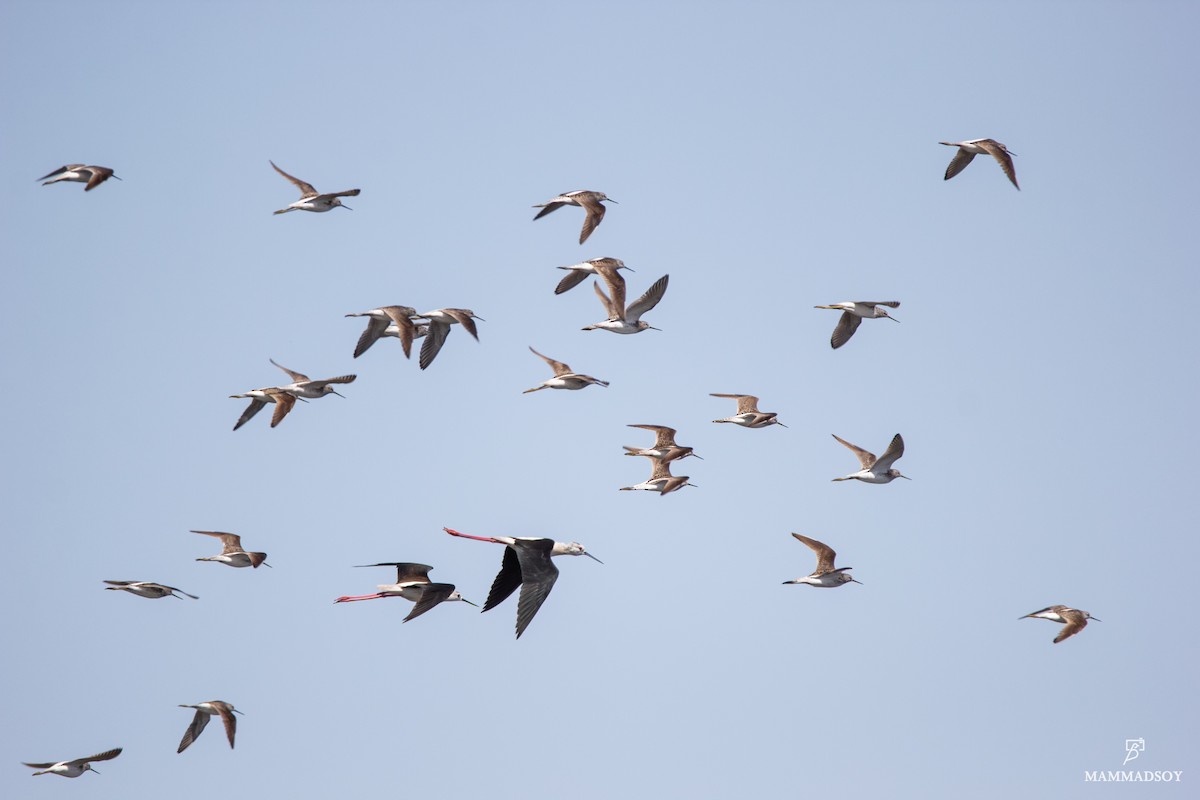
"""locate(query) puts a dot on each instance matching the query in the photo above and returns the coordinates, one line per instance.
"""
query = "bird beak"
(592, 557)
(609, 199)
(468, 602)
(234, 710)
(1093, 619)
(339, 394)
(780, 424)
(893, 319)
(348, 208)
(860, 583)
(905, 477)
(481, 319)
(652, 328)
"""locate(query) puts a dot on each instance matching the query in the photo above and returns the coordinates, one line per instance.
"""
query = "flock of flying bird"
(527, 561)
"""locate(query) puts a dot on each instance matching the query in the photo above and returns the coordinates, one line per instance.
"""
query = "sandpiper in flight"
(79, 173)
(1073, 618)
(311, 199)
(622, 319)
(204, 711)
(748, 415)
(412, 583)
(440, 321)
(303, 386)
(383, 319)
(973, 147)
(591, 202)
(876, 470)
(232, 552)
(664, 446)
(853, 313)
(147, 589)
(593, 266)
(259, 399)
(661, 480)
(526, 564)
(825, 576)
(563, 378)
(74, 768)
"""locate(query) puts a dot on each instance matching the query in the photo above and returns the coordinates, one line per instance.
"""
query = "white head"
(573, 549)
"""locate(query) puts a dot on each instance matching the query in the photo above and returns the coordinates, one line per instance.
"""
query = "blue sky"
(769, 157)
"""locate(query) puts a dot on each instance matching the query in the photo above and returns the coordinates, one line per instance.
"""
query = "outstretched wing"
(995, 150)
(199, 722)
(866, 459)
(306, 189)
(958, 163)
(595, 213)
(891, 455)
(507, 580)
(559, 367)
(825, 554)
(647, 301)
(295, 376)
(846, 327)
(284, 403)
(431, 595)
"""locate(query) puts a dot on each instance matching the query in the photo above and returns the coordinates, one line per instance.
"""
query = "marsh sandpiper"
(825, 576)
(748, 415)
(589, 201)
(75, 767)
(853, 313)
(232, 552)
(79, 173)
(1074, 619)
(973, 147)
(311, 199)
(204, 712)
(563, 378)
(875, 470)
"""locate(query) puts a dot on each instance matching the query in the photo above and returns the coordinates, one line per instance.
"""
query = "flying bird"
(576, 273)
(748, 415)
(825, 576)
(79, 173)
(146, 589)
(563, 378)
(303, 386)
(75, 768)
(232, 552)
(412, 583)
(440, 321)
(526, 564)
(380, 321)
(591, 202)
(311, 199)
(283, 401)
(664, 447)
(204, 711)
(661, 480)
(1074, 619)
(876, 470)
(622, 319)
(853, 313)
(973, 147)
